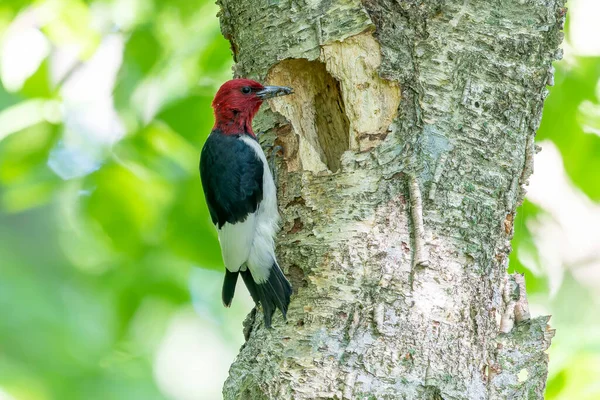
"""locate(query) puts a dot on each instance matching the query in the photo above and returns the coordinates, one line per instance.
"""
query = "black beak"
(274, 91)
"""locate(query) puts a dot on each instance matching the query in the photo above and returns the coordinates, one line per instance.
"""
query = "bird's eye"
(246, 89)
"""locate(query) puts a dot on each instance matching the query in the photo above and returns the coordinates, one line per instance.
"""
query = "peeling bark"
(405, 151)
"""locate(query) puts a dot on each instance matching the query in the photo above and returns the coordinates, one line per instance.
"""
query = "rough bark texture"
(406, 148)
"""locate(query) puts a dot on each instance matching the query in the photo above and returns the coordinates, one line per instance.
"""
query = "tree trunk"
(405, 150)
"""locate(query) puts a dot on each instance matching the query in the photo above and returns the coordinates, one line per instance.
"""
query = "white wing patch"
(236, 242)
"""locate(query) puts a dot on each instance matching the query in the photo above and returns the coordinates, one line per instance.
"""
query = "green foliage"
(569, 113)
(81, 258)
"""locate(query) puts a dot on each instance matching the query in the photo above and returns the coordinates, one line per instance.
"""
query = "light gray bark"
(406, 148)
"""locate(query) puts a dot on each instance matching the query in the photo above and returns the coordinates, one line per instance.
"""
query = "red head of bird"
(238, 100)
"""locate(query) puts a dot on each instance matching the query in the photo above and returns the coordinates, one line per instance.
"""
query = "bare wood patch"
(371, 101)
(340, 102)
(317, 114)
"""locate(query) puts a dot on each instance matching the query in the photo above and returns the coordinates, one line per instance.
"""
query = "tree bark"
(405, 150)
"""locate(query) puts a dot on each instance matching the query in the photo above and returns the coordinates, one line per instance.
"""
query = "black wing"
(232, 178)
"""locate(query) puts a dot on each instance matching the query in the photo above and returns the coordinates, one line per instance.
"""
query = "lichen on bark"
(400, 104)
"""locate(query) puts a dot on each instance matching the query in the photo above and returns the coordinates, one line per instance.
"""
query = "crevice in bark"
(432, 393)
(316, 112)
(297, 278)
(340, 102)
(331, 123)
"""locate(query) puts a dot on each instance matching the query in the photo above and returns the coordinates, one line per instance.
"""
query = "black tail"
(229, 287)
(272, 294)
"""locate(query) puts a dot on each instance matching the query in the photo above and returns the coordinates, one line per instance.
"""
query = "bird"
(241, 196)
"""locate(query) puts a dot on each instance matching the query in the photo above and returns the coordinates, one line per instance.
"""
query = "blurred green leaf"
(23, 156)
(184, 8)
(574, 84)
(575, 355)
(137, 199)
(143, 49)
(71, 25)
(190, 232)
(142, 52)
(7, 99)
(38, 85)
(216, 58)
(522, 244)
(183, 119)
(556, 384)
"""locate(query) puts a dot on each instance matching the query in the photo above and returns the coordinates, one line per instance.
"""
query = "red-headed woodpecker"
(241, 196)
